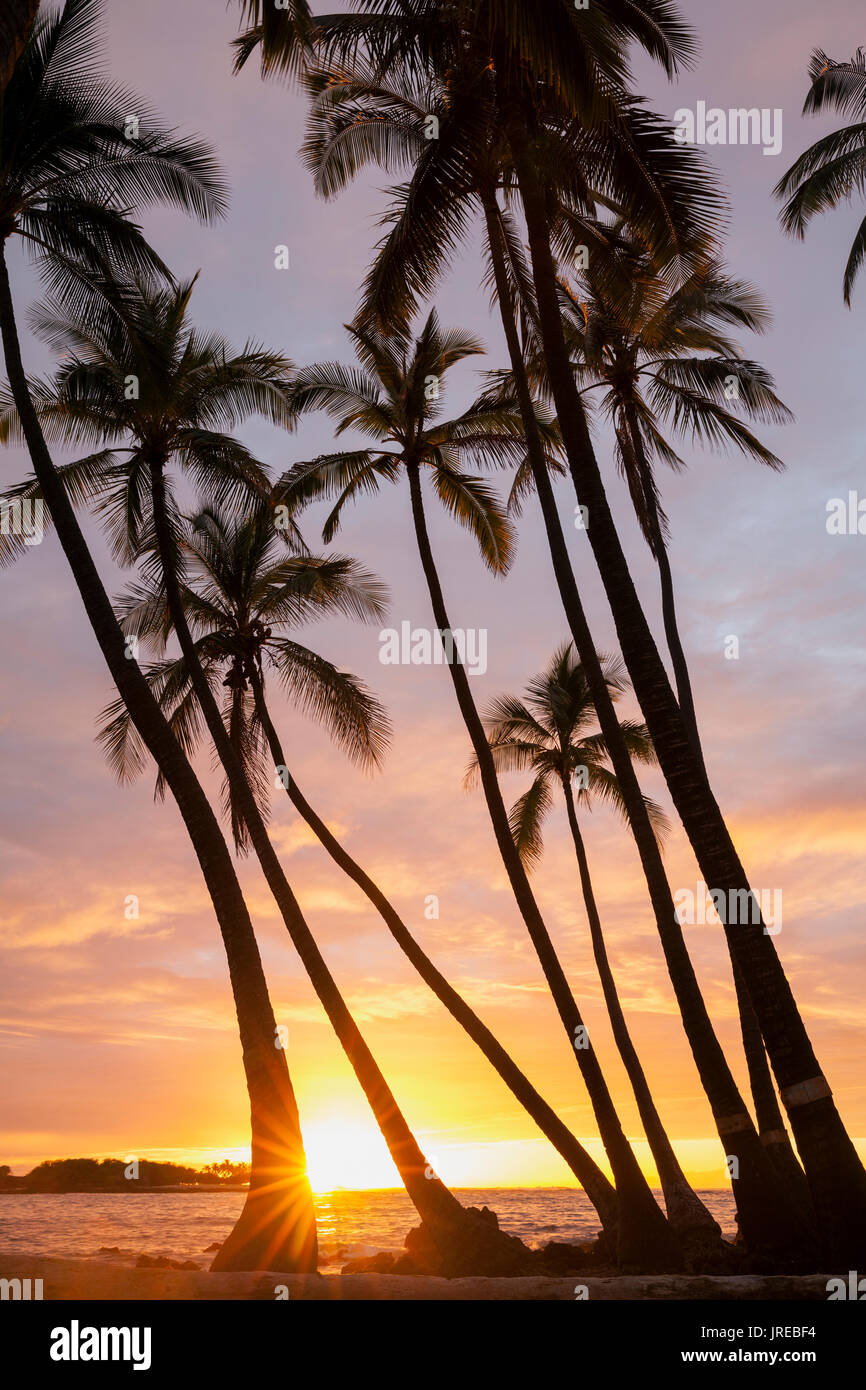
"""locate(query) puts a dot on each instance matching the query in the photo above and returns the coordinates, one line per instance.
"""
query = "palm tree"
(240, 594)
(549, 733)
(832, 170)
(241, 586)
(357, 116)
(66, 170)
(189, 389)
(667, 356)
(661, 355)
(393, 397)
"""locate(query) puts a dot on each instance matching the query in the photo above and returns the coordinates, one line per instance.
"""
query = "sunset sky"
(119, 1037)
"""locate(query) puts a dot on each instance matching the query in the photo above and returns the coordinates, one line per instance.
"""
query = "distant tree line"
(118, 1175)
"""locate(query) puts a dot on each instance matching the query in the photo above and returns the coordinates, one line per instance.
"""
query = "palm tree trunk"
(466, 1244)
(597, 1187)
(836, 1175)
(686, 1212)
(685, 695)
(16, 21)
(644, 1238)
(277, 1227)
(771, 1127)
(763, 1209)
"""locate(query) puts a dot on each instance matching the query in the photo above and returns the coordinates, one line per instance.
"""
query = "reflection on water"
(182, 1225)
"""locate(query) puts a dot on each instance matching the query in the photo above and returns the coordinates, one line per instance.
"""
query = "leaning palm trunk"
(685, 695)
(276, 1229)
(16, 21)
(836, 1175)
(766, 1218)
(466, 1244)
(771, 1126)
(597, 1187)
(686, 1212)
(644, 1237)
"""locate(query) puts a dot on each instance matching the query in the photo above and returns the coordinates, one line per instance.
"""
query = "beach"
(91, 1280)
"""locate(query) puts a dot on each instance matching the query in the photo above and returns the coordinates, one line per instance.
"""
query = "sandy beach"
(89, 1280)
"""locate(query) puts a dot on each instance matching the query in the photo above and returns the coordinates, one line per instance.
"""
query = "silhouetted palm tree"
(68, 171)
(550, 733)
(833, 169)
(664, 357)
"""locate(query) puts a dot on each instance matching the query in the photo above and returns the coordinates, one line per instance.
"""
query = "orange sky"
(133, 1035)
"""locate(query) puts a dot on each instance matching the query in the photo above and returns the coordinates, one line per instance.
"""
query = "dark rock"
(163, 1262)
(214, 1245)
(471, 1243)
(109, 1250)
(423, 1250)
(558, 1258)
(485, 1214)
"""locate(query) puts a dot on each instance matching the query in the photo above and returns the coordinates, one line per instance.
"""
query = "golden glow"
(342, 1153)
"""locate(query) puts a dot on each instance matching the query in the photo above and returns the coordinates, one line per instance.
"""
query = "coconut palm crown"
(146, 390)
(395, 397)
(832, 170)
(244, 599)
(551, 733)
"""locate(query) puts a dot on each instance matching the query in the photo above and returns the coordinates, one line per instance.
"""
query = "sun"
(343, 1153)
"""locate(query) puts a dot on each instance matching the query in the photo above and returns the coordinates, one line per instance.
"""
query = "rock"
(486, 1215)
(109, 1250)
(163, 1262)
(470, 1244)
(214, 1245)
(423, 1250)
(558, 1258)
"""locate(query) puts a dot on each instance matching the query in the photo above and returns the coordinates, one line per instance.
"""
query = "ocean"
(182, 1225)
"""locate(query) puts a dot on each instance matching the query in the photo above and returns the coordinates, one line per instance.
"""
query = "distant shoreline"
(129, 1190)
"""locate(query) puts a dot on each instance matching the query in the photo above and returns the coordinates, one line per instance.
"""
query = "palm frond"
(354, 717)
(476, 506)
